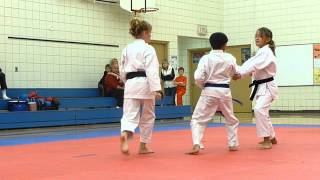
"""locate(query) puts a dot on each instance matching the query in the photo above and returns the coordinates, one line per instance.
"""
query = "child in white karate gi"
(213, 76)
(139, 69)
(262, 67)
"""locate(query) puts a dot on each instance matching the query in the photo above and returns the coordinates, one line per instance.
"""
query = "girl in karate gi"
(139, 69)
(213, 76)
(263, 68)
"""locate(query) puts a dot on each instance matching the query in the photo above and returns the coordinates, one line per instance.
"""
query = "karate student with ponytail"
(262, 67)
(139, 70)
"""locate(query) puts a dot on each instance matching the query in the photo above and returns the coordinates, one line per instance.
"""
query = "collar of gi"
(217, 51)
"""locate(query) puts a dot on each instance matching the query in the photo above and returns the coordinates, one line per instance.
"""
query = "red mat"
(295, 157)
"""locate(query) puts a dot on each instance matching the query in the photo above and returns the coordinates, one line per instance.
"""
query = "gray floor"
(277, 118)
(63, 130)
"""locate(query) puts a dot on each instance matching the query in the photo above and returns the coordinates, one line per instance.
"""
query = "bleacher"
(78, 106)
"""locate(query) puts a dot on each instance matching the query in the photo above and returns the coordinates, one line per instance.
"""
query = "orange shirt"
(181, 79)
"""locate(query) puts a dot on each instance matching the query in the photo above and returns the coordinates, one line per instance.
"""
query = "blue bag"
(18, 105)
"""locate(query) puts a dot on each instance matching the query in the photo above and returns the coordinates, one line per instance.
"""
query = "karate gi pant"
(139, 112)
(203, 113)
(261, 113)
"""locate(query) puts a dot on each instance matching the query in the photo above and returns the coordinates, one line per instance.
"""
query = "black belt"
(131, 75)
(256, 83)
(216, 85)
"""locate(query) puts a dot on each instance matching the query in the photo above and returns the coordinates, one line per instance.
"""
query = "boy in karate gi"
(213, 76)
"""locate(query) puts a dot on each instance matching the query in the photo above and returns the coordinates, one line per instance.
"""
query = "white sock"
(4, 94)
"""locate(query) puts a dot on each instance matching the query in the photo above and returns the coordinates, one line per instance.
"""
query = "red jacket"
(111, 83)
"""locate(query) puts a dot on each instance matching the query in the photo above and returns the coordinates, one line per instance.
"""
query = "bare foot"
(273, 141)
(233, 148)
(195, 150)
(201, 146)
(144, 149)
(266, 145)
(124, 143)
(129, 135)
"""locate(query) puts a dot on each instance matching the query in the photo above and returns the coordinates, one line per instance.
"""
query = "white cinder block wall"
(48, 65)
(292, 22)
(185, 43)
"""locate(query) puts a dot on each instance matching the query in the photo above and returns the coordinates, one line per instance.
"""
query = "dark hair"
(137, 27)
(218, 40)
(0, 70)
(108, 65)
(265, 32)
(181, 68)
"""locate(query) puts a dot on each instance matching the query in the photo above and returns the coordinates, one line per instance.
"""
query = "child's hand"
(158, 95)
(236, 77)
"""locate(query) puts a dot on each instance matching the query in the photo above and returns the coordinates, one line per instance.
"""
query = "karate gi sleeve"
(152, 69)
(233, 67)
(260, 61)
(200, 73)
(121, 66)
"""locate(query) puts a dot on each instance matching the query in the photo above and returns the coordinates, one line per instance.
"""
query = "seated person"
(3, 85)
(114, 62)
(102, 80)
(114, 87)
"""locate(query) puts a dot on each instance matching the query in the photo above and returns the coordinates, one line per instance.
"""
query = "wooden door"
(240, 89)
(161, 48)
(194, 57)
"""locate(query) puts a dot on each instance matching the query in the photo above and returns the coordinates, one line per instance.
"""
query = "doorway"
(161, 48)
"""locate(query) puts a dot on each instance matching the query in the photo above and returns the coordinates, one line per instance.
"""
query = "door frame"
(192, 101)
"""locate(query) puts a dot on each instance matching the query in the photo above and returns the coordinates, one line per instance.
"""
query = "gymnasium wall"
(185, 43)
(60, 65)
(292, 22)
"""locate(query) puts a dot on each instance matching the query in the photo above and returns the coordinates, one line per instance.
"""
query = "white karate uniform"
(139, 100)
(217, 67)
(262, 66)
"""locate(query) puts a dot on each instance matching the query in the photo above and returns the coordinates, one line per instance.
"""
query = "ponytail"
(137, 27)
(265, 32)
(272, 46)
